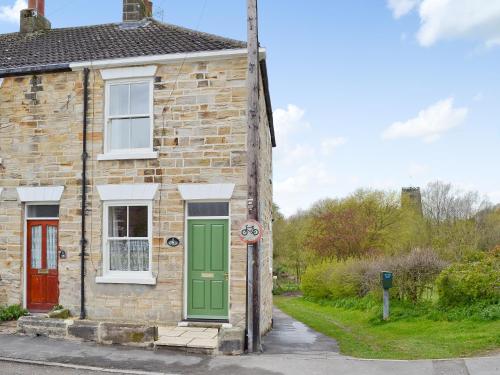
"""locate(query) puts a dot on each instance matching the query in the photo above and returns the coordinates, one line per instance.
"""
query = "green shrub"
(12, 312)
(316, 280)
(476, 279)
(334, 279)
(414, 274)
(346, 279)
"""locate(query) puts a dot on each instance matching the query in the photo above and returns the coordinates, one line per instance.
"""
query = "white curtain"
(139, 255)
(51, 248)
(129, 255)
(36, 247)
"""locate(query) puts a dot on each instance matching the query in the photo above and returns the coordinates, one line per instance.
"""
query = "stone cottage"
(143, 125)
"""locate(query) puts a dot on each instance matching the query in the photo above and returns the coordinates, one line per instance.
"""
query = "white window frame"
(126, 277)
(131, 153)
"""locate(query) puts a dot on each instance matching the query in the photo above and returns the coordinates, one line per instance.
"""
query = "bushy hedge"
(476, 279)
(316, 279)
(13, 312)
(413, 274)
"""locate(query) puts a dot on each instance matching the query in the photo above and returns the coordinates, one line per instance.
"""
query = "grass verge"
(360, 333)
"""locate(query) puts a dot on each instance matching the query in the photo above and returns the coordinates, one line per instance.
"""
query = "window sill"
(131, 155)
(126, 279)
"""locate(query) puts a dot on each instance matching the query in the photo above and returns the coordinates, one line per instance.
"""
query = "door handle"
(226, 276)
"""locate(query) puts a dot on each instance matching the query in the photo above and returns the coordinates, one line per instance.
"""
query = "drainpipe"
(83, 240)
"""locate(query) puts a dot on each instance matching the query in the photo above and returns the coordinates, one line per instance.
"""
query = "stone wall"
(40, 145)
(265, 215)
(200, 133)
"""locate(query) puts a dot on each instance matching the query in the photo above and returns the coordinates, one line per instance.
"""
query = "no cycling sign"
(251, 231)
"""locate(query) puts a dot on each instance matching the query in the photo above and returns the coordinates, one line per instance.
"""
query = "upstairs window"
(129, 116)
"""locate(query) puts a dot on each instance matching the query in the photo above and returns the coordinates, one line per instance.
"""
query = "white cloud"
(453, 19)
(417, 170)
(304, 171)
(494, 196)
(296, 154)
(288, 121)
(444, 19)
(11, 13)
(430, 124)
(308, 183)
(401, 7)
(330, 144)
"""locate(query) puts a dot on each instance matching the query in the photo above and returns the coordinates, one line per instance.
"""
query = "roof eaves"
(38, 69)
(267, 95)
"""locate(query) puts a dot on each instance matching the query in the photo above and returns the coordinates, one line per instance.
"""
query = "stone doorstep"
(191, 339)
(195, 324)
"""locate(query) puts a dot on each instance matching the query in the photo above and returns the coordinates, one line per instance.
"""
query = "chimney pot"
(38, 5)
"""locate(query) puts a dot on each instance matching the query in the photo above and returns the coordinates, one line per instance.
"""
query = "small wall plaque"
(173, 242)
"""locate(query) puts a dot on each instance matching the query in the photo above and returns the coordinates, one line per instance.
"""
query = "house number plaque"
(173, 242)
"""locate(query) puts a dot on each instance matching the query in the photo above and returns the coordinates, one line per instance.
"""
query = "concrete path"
(291, 348)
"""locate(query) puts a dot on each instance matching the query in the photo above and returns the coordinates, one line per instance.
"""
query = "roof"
(55, 49)
(58, 47)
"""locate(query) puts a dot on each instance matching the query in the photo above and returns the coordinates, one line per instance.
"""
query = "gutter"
(83, 240)
(267, 96)
(38, 69)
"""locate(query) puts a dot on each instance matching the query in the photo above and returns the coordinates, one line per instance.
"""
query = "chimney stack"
(137, 10)
(33, 19)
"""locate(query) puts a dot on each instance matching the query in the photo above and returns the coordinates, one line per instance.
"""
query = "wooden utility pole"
(253, 312)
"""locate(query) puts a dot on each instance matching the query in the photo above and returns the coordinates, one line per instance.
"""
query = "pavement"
(291, 348)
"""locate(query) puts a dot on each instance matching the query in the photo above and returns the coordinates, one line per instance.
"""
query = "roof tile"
(108, 41)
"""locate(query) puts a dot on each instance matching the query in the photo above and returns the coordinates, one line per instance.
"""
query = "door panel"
(42, 272)
(217, 295)
(208, 242)
(198, 249)
(218, 247)
(198, 295)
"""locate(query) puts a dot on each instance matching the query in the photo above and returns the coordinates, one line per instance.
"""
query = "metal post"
(250, 250)
(83, 239)
(386, 304)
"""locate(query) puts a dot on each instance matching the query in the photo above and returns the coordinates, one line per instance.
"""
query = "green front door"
(208, 269)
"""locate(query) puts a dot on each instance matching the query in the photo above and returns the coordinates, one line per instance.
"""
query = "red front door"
(43, 279)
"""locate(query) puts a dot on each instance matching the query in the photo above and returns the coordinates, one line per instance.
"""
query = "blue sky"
(379, 93)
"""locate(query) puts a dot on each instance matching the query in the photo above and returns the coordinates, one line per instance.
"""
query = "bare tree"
(442, 202)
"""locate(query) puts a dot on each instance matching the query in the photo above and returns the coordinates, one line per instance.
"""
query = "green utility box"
(386, 279)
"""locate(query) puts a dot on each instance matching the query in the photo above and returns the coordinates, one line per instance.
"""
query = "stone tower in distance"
(411, 197)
